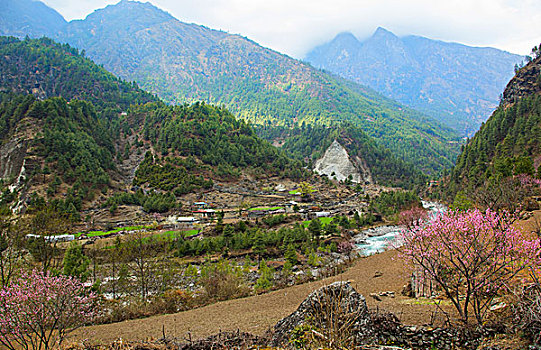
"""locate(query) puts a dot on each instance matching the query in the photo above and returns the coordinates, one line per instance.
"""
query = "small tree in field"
(38, 310)
(472, 256)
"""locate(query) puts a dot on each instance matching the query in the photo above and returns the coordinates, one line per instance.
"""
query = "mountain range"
(186, 62)
(28, 17)
(70, 132)
(457, 84)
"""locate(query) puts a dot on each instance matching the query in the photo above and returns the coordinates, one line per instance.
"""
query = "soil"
(256, 314)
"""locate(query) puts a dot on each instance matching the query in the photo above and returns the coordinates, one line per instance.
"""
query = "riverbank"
(378, 239)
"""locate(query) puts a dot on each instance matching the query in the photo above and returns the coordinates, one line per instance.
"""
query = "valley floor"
(257, 314)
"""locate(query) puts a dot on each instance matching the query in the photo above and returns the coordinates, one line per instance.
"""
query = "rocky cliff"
(526, 82)
(337, 164)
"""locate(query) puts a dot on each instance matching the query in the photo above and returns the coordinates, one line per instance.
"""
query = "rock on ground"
(326, 304)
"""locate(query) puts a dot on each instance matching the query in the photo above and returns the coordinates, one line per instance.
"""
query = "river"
(375, 240)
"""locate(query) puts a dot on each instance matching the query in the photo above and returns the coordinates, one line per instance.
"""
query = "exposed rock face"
(339, 296)
(526, 82)
(12, 155)
(336, 163)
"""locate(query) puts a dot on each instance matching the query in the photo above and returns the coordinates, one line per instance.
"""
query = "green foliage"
(315, 229)
(253, 237)
(207, 136)
(54, 69)
(461, 202)
(300, 336)
(506, 144)
(266, 276)
(171, 174)
(291, 254)
(75, 142)
(273, 220)
(524, 165)
(154, 202)
(392, 202)
(313, 259)
(311, 142)
(75, 262)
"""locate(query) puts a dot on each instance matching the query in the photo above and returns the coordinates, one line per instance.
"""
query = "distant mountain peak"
(28, 17)
(457, 84)
(135, 4)
(142, 11)
(345, 36)
(383, 33)
(346, 39)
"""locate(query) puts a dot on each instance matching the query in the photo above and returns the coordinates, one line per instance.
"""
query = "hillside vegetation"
(509, 144)
(73, 147)
(309, 143)
(206, 141)
(46, 69)
(185, 63)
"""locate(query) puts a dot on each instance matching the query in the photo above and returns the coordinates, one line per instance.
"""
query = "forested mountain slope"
(458, 84)
(60, 114)
(510, 141)
(309, 143)
(187, 62)
(57, 147)
(46, 69)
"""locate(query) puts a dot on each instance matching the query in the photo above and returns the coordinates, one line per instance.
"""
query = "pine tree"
(76, 263)
(291, 254)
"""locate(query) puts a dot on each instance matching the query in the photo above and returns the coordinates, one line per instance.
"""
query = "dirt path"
(257, 313)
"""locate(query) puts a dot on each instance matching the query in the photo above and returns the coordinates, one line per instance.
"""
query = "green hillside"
(46, 69)
(509, 143)
(309, 143)
(72, 149)
(185, 63)
(199, 143)
(69, 145)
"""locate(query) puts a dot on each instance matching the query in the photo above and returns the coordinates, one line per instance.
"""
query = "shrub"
(527, 311)
(221, 281)
(264, 282)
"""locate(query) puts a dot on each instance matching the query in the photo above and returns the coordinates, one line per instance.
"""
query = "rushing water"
(375, 240)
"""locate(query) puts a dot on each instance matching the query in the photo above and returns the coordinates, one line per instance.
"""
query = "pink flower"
(38, 310)
(472, 256)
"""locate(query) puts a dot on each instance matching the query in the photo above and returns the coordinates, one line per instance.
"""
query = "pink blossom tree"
(38, 310)
(472, 256)
(411, 217)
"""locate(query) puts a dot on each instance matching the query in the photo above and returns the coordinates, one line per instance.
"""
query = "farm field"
(256, 314)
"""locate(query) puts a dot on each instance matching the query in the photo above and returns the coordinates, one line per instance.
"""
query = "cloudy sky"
(295, 26)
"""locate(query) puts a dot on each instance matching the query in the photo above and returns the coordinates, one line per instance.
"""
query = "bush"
(222, 281)
(527, 311)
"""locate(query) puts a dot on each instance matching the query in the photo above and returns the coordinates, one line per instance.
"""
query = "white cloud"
(295, 26)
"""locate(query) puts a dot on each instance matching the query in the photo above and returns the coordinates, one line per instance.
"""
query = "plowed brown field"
(257, 314)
